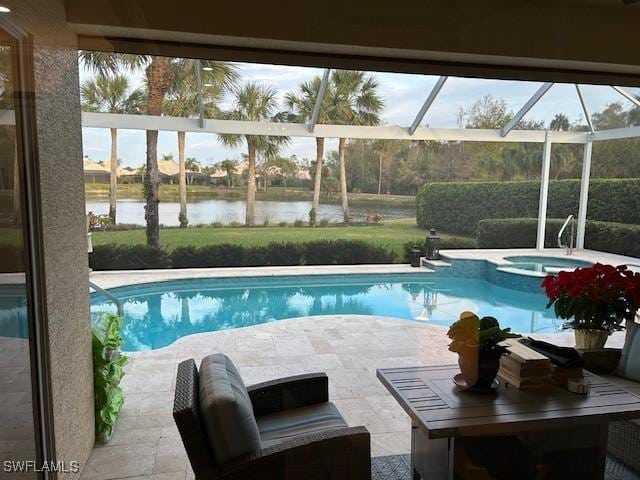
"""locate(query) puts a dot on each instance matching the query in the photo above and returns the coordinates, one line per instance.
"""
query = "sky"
(403, 95)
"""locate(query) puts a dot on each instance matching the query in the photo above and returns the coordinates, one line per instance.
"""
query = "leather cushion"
(226, 409)
(277, 427)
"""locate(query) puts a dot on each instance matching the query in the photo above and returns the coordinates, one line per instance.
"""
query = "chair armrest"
(290, 392)
(342, 453)
(601, 360)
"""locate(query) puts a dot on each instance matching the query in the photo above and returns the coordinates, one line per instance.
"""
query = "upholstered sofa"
(282, 429)
(624, 437)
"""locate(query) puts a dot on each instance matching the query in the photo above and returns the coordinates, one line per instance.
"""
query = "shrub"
(127, 257)
(282, 224)
(298, 223)
(275, 253)
(516, 233)
(522, 232)
(344, 252)
(458, 207)
(613, 238)
(324, 222)
(221, 255)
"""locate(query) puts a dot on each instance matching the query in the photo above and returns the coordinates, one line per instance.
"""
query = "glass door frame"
(27, 150)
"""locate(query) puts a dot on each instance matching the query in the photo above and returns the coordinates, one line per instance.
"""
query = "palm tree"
(353, 100)
(183, 101)
(159, 72)
(111, 94)
(301, 105)
(254, 103)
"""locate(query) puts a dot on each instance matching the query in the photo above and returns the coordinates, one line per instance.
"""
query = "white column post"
(584, 195)
(544, 192)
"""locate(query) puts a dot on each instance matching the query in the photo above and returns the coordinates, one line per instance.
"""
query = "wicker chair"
(624, 437)
(321, 453)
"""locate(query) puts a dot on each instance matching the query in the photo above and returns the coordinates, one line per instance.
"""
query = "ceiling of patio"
(566, 40)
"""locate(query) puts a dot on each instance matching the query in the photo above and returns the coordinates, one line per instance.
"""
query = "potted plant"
(476, 341)
(108, 364)
(594, 301)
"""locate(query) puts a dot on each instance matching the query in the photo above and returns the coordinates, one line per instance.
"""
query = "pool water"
(545, 264)
(158, 314)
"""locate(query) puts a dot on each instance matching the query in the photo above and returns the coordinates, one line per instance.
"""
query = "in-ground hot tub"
(545, 264)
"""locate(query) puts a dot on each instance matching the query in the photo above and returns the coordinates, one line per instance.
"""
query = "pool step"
(433, 264)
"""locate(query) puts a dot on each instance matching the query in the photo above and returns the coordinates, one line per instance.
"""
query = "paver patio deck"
(349, 348)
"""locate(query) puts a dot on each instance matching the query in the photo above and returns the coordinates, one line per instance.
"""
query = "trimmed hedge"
(127, 257)
(458, 207)
(521, 233)
(516, 233)
(323, 252)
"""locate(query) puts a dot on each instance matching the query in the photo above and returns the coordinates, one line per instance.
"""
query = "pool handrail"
(569, 247)
(110, 296)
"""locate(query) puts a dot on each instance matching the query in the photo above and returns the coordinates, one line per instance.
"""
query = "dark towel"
(564, 357)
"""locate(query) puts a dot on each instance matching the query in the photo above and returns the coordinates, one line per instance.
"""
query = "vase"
(590, 338)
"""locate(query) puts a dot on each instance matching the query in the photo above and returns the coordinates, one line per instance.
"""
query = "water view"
(228, 211)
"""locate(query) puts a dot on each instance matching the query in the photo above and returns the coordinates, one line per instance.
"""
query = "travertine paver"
(349, 348)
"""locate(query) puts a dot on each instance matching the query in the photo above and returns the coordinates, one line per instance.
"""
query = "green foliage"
(127, 257)
(108, 364)
(470, 333)
(344, 252)
(516, 233)
(458, 207)
(521, 233)
(221, 255)
(321, 252)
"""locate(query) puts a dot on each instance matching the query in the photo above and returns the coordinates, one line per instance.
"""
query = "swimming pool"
(157, 314)
(545, 264)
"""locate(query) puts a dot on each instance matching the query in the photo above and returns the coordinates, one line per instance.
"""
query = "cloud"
(403, 95)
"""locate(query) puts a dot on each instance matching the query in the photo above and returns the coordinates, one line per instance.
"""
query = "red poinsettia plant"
(598, 297)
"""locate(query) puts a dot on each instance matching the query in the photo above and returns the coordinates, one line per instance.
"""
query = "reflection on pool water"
(545, 264)
(158, 314)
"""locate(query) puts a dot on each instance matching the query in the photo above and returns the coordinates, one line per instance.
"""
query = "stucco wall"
(64, 238)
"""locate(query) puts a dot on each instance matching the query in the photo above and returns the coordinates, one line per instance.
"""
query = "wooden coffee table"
(551, 422)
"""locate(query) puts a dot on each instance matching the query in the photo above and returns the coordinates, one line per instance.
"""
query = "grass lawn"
(392, 235)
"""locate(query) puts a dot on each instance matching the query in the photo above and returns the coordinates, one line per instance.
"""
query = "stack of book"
(523, 367)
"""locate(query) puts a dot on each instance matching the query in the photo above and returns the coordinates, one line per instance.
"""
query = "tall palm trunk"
(182, 217)
(113, 177)
(151, 190)
(159, 78)
(342, 146)
(379, 173)
(317, 179)
(251, 184)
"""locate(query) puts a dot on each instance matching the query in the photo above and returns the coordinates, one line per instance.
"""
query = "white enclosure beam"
(527, 106)
(584, 195)
(584, 108)
(316, 108)
(615, 134)
(629, 96)
(427, 104)
(544, 194)
(173, 124)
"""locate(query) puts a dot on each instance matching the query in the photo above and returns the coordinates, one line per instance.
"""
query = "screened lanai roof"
(416, 107)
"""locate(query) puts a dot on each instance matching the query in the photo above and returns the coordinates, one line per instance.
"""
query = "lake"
(226, 211)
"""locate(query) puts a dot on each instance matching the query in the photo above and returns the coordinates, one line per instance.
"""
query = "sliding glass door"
(22, 374)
